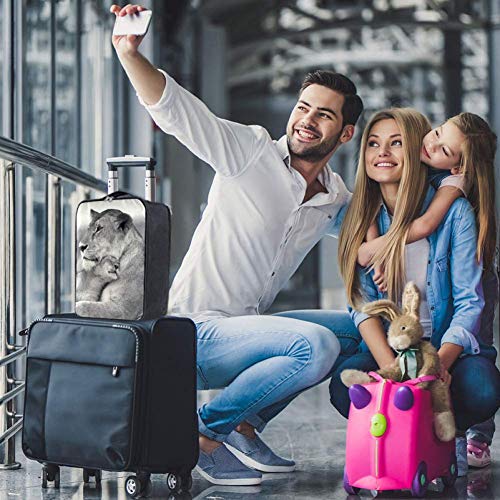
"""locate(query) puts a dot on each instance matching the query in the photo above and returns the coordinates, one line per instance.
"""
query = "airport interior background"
(65, 96)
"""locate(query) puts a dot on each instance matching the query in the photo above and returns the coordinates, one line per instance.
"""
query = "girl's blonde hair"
(366, 201)
(477, 164)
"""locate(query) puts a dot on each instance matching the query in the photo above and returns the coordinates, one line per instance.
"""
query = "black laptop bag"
(112, 395)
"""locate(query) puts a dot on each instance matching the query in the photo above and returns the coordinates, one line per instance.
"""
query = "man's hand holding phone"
(130, 30)
(131, 24)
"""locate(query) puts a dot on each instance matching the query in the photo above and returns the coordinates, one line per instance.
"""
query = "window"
(36, 78)
(97, 88)
(67, 119)
(71, 116)
(2, 57)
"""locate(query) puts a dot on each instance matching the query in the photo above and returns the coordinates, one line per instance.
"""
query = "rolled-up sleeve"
(460, 336)
(369, 291)
(466, 275)
(228, 147)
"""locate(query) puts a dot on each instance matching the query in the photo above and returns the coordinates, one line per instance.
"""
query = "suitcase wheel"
(138, 486)
(177, 482)
(88, 473)
(51, 473)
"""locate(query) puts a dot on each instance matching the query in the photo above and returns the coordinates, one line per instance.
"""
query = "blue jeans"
(338, 322)
(261, 362)
(353, 351)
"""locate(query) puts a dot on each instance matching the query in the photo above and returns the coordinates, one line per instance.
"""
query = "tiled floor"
(309, 430)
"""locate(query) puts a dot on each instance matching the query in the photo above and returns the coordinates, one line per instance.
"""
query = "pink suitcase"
(390, 442)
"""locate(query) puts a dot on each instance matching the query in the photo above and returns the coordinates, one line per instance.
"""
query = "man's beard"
(315, 153)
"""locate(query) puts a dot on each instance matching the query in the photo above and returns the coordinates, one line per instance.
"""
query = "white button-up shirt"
(255, 230)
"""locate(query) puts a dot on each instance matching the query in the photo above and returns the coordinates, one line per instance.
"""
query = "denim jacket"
(454, 289)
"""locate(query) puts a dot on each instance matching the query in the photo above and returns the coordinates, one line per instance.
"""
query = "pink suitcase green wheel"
(451, 477)
(420, 482)
(351, 490)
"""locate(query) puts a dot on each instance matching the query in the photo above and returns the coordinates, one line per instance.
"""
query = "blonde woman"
(391, 189)
(460, 154)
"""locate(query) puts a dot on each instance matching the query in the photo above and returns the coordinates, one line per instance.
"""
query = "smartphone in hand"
(134, 24)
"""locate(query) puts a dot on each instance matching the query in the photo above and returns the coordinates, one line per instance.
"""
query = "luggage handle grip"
(116, 195)
(133, 161)
(130, 161)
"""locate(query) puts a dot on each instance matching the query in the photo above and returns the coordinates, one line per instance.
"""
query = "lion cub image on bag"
(89, 284)
(110, 267)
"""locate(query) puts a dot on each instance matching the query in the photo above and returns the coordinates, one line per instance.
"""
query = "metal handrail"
(13, 153)
(16, 353)
(27, 156)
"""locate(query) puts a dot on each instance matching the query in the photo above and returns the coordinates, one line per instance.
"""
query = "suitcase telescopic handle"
(133, 161)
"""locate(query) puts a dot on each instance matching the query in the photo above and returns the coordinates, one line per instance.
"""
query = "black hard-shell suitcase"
(123, 250)
(112, 395)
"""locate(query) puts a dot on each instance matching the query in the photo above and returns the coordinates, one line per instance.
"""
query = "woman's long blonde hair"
(366, 201)
(477, 164)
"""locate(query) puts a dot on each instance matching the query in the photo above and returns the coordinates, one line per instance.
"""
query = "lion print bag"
(122, 258)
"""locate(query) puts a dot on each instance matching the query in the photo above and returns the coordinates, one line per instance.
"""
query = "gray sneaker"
(222, 467)
(256, 454)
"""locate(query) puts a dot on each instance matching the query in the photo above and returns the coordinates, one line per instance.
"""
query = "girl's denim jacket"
(454, 290)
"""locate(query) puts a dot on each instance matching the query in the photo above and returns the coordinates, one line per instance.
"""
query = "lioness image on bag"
(110, 262)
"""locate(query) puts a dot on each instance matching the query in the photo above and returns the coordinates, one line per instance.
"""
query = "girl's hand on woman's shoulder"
(379, 279)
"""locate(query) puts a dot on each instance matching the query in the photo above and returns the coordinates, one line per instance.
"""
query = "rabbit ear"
(411, 300)
(386, 308)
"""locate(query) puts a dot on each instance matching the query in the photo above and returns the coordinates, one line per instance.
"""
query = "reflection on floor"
(309, 431)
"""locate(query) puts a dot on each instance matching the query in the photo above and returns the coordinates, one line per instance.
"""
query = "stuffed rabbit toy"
(416, 357)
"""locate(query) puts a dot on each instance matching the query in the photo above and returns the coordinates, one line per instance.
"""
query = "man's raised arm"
(228, 147)
(147, 81)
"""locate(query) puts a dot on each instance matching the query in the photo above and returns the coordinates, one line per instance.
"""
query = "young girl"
(460, 154)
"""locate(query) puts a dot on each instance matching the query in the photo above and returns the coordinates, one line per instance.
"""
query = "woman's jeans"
(262, 362)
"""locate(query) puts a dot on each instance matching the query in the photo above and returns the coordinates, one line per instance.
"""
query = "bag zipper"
(91, 322)
(137, 411)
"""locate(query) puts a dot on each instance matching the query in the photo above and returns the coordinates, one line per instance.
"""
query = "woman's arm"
(371, 327)
(465, 276)
(374, 335)
(448, 354)
(427, 223)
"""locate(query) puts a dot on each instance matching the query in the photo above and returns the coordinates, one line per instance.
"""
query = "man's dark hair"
(353, 105)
